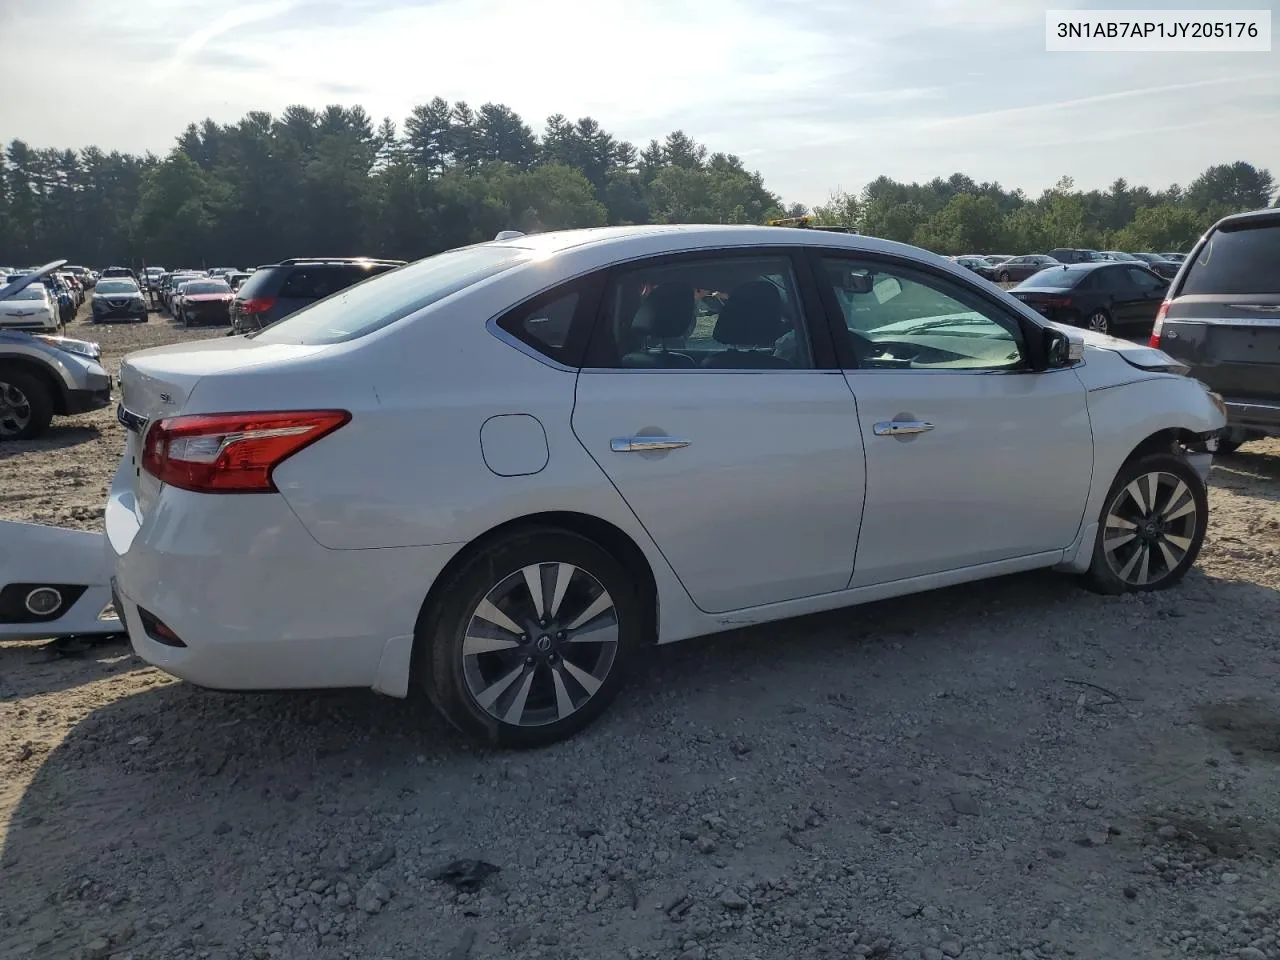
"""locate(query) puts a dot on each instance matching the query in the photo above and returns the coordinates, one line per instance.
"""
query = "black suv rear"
(279, 289)
(1222, 318)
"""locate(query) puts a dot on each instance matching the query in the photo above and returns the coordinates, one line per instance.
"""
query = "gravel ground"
(1013, 769)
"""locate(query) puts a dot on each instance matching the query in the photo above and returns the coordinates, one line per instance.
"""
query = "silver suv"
(44, 376)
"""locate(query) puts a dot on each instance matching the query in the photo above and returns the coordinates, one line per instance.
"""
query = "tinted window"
(261, 283)
(731, 313)
(903, 319)
(116, 286)
(205, 287)
(1237, 261)
(1144, 279)
(544, 325)
(361, 309)
(1057, 276)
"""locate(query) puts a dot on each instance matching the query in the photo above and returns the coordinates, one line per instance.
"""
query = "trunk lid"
(159, 382)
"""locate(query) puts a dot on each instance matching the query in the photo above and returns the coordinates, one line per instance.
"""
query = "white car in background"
(31, 308)
(496, 473)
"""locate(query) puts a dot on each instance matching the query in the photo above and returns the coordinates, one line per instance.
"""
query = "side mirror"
(1062, 348)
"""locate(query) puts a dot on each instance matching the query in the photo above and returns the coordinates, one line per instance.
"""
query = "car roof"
(1250, 218)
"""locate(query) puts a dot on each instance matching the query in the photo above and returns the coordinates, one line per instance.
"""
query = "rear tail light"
(1056, 301)
(158, 630)
(256, 304)
(1159, 324)
(232, 452)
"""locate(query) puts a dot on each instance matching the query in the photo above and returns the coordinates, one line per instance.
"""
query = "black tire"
(1101, 576)
(1103, 318)
(440, 632)
(36, 401)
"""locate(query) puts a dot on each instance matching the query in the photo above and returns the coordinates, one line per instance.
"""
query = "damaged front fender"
(53, 583)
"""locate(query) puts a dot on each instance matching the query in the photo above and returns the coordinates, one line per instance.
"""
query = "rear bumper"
(1254, 415)
(257, 603)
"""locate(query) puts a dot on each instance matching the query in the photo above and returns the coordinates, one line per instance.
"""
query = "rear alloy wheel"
(532, 639)
(1099, 322)
(26, 408)
(1004, 276)
(1151, 528)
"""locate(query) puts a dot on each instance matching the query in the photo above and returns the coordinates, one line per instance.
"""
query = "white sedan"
(31, 309)
(496, 473)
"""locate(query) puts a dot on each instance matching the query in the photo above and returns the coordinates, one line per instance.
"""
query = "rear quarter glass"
(261, 283)
(1236, 262)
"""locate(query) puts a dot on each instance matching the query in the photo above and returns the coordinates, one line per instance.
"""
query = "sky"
(817, 95)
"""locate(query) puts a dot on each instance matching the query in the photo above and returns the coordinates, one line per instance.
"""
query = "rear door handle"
(901, 428)
(644, 444)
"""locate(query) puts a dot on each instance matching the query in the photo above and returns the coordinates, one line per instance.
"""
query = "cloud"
(238, 17)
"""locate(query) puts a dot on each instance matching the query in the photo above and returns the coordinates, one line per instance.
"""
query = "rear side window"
(362, 309)
(544, 325)
(261, 283)
(1236, 262)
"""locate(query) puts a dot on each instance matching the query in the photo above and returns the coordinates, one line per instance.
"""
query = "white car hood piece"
(36, 553)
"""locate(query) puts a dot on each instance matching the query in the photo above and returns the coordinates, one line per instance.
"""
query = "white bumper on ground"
(256, 602)
(33, 555)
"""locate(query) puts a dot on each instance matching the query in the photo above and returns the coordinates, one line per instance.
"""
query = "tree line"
(334, 183)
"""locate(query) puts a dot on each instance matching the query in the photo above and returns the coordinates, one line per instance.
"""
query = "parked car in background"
(1116, 256)
(997, 258)
(1106, 297)
(116, 272)
(204, 302)
(1222, 318)
(1174, 257)
(979, 265)
(1074, 255)
(31, 308)
(222, 272)
(61, 292)
(151, 277)
(277, 290)
(74, 286)
(170, 288)
(118, 298)
(1159, 265)
(516, 585)
(84, 274)
(236, 280)
(1019, 268)
(43, 376)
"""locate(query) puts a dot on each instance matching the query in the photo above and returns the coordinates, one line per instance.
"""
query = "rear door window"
(1243, 261)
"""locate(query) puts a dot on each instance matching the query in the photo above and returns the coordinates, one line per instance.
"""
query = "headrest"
(752, 316)
(667, 311)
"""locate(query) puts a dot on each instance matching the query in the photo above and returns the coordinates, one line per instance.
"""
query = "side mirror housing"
(1062, 348)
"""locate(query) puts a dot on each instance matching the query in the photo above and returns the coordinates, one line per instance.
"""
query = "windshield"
(205, 286)
(34, 292)
(388, 297)
(117, 286)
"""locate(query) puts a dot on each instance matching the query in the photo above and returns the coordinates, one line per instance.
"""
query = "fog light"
(43, 601)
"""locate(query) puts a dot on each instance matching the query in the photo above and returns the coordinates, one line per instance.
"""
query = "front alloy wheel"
(1152, 526)
(531, 639)
(1099, 322)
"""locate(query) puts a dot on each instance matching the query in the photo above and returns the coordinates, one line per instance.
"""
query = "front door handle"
(646, 444)
(901, 428)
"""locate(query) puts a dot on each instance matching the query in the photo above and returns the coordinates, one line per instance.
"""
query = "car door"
(725, 425)
(1147, 293)
(972, 456)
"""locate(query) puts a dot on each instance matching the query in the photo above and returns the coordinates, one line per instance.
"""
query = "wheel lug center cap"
(543, 644)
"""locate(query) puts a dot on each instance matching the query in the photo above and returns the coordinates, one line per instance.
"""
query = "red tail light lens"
(257, 304)
(1056, 301)
(1159, 324)
(232, 452)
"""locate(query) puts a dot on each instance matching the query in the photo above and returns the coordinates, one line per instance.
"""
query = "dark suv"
(1222, 318)
(278, 289)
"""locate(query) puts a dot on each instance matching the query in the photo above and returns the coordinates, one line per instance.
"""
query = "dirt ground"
(1014, 769)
